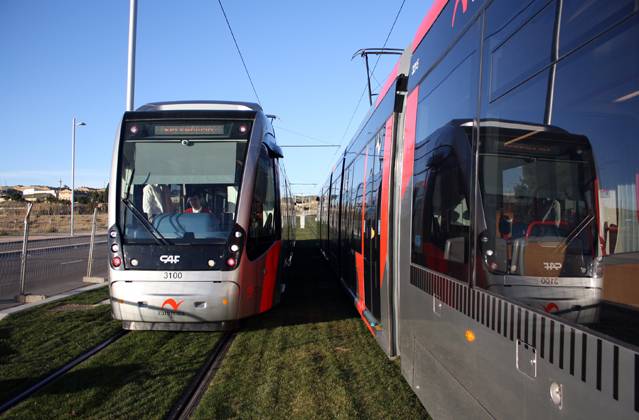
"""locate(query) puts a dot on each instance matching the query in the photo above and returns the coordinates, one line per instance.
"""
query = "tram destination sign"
(138, 130)
(189, 130)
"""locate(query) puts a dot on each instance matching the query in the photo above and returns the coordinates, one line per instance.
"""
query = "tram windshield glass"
(180, 183)
(538, 199)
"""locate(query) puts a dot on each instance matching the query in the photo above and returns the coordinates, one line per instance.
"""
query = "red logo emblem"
(464, 4)
(172, 303)
(551, 307)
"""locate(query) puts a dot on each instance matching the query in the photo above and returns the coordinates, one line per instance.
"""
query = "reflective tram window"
(558, 209)
(537, 225)
(603, 105)
(262, 229)
(357, 199)
(441, 217)
(180, 183)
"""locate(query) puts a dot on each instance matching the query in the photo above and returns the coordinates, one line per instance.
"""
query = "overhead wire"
(237, 47)
(359, 102)
(297, 133)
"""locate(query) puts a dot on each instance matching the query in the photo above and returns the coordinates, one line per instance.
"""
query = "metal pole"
(25, 240)
(368, 78)
(130, 77)
(72, 172)
(90, 262)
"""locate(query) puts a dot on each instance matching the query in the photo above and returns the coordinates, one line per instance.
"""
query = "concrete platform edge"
(6, 312)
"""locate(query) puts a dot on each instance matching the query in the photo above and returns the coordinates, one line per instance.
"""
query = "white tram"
(200, 216)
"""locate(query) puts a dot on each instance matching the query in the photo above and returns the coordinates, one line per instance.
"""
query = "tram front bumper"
(174, 302)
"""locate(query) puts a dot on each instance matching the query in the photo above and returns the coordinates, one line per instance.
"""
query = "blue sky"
(66, 58)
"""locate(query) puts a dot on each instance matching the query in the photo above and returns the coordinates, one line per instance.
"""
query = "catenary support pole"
(130, 77)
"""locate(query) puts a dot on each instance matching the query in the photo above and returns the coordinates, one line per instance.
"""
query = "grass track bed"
(140, 376)
(310, 357)
(36, 342)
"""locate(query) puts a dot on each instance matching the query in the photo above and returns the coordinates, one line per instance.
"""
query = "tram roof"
(199, 106)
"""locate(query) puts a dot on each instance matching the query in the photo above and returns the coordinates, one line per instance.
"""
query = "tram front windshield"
(538, 201)
(180, 182)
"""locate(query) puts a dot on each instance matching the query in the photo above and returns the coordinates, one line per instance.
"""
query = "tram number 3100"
(172, 275)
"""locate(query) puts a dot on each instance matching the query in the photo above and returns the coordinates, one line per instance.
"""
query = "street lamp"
(76, 123)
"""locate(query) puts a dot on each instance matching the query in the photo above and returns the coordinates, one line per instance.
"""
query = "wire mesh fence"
(49, 219)
(51, 264)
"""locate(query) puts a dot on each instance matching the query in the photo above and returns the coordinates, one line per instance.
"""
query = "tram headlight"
(116, 261)
(115, 248)
(595, 268)
(235, 247)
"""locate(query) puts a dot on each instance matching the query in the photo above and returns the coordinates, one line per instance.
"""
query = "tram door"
(371, 240)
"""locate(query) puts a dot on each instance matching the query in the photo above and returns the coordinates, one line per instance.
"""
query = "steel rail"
(188, 402)
(59, 372)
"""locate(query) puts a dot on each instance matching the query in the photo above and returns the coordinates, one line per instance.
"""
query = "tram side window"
(517, 49)
(262, 231)
(602, 104)
(357, 199)
(441, 217)
(580, 21)
(524, 52)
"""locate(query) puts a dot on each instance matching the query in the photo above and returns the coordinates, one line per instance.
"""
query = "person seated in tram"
(513, 223)
(156, 200)
(196, 205)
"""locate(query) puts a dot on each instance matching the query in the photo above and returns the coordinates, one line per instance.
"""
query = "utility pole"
(130, 76)
(75, 124)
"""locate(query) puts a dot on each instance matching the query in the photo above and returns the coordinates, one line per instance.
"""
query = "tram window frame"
(259, 241)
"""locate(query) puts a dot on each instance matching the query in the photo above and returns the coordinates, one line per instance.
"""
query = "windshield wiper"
(157, 236)
(576, 231)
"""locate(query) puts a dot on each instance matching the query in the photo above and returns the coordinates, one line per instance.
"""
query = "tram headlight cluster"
(234, 250)
(117, 258)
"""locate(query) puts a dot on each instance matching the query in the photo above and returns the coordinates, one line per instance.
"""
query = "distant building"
(37, 194)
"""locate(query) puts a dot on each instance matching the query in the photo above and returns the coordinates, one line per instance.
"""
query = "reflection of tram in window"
(536, 216)
(538, 241)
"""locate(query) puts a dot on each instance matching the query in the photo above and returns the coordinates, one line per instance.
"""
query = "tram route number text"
(172, 275)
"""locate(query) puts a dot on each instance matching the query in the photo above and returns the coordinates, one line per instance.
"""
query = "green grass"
(310, 357)
(36, 342)
(139, 376)
(309, 232)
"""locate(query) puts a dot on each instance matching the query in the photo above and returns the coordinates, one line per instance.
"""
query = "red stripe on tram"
(272, 259)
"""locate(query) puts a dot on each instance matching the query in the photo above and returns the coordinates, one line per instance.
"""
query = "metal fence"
(47, 266)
